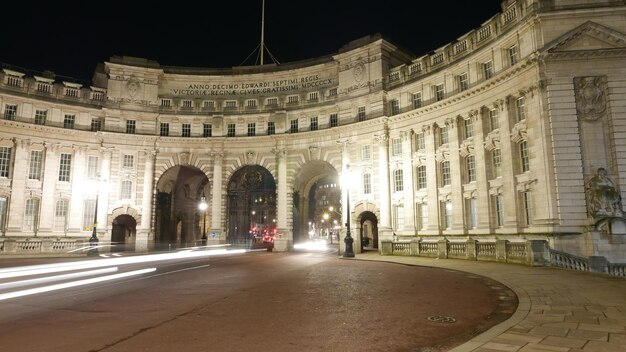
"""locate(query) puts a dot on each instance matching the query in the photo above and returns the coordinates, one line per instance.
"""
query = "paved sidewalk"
(559, 310)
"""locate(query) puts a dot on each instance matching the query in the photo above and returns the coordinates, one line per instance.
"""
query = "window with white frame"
(395, 107)
(5, 161)
(496, 161)
(398, 180)
(367, 183)
(166, 103)
(251, 103)
(447, 214)
(443, 135)
(209, 104)
(69, 121)
(186, 130)
(468, 127)
(494, 119)
(523, 153)
(207, 130)
(422, 210)
(366, 152)
(446, 177)
(44, 87)
(126, 188)
(251, 129)
(498, 210)
(3, 212)
(271, 101)
(439, 92)
(334, 120)
(71, 92)
(463, 81)
(65, 167)
(520, 109)
(131, 126)
(398, 217)
(313, 96)
(396, 146)
(229, 104)
(35, 163)
(271, 128)
(60, 215)
(31, 214)
(96, 124)
(360, 114)
(187, 103)
(129, 161)
(292, 99)
(314, 124)
(528, 208)
(10, 112)
(488, 70)
(293, 126)
(164, 129)
(89, 213)
(472, 214)
(231, 130)
(332, 92)
(417, 100)
(420, 141)
(92, 167)
(513, 54)
(470, 164)
(421, 177)
(40, 117)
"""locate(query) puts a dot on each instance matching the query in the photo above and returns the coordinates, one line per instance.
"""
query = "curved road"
(260, 301)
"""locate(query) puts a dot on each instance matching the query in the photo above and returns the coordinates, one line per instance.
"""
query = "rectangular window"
(496, 158)
(3, 212)
(396, 146)
(271, 128)
(395, 107)
(31, 214)
(528, 208)
(313, 96)
(60, 215)
(332, 92)
(366, 152)
(398, 217)
(488, 70)
(523, 153)
(166, 103)
(439, 92)
(186, 130)
(423, 215)
(463, 81)
(92, 167)
(69, 121)
(126, 189)
(34, 167)
(520, 109)
(89, 214)
(360, 114)
(367, 183)
(421, 177)
(470, 162)
(292, 99)
(131, 126)
(230, 104)
(44, 87)
(293, 126)
(468, 127)
(251, 103)
(446, 177)
(420, 141)
(71, 92)
(314, 124)
(251, 129)
(334, 120)
(231, 130)
(207, 130)
(129, 161)
(187, 104)
(96, 125)
(499, 210)
(417, 100)
(513, 58)
(443, 135)
(209, 104)
(10, 112)
(494, 119)
(65, 167)
(5, 161)
(447, 214)
(40, 117)
(398, 184)
(164, 129)
(272, 101)
(472, 215)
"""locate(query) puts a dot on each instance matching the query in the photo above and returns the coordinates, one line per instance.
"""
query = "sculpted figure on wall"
(603, 198)
(590, 98)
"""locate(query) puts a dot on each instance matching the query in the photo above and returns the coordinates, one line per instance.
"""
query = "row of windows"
(70, 90)
(249, 103)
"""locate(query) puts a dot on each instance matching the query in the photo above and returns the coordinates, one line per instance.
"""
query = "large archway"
(251, 205)
(123, 233)
(178, 219)
(368, 231)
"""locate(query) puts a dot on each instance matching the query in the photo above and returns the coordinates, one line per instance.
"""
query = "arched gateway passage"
(368, 231)
(123, 233)
(251, 206)
(178, 219)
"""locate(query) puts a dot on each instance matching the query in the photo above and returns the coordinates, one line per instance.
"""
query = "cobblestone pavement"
(559, 310)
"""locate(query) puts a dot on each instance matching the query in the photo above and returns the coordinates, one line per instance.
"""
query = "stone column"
(457, 166)
(145, 236)
(103, 196)
(48, 200)
(15, 218)
(432, 185)
(482, 160)
(409, 183)
(509, 154)
(284, 239)
(216, 234)
(385, 232)
(80, 192)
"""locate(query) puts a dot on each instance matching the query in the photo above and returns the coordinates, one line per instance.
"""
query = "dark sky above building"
(71, 37)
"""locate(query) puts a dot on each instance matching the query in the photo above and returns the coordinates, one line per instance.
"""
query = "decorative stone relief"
(492, 141)
(603, 197)
(133, 87)
(590, 97)
(314, 153)
(183, 158)
(251, 157)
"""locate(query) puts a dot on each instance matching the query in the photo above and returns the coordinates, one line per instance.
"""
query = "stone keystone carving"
(590, 97)
(603, 198)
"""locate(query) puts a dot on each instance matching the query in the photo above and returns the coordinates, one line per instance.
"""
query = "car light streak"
(312, 246)
(42, 280)
(99, 263)
(33, 291)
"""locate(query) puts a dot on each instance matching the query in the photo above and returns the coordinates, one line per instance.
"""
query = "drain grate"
(441, 319)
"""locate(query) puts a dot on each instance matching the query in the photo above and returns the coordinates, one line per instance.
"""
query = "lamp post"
(349, 251)
(203, 207)
(93, 241)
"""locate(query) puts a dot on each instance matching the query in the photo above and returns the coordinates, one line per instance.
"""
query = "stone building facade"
(515, 132)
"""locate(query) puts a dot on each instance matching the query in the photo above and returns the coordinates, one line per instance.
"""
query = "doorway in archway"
(123, 233)
(368, 231)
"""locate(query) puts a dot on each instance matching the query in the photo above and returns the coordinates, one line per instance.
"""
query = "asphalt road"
(257, 301)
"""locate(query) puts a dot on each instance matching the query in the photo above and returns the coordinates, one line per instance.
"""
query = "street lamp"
(203, 207)
(93, 241)
(349, 251)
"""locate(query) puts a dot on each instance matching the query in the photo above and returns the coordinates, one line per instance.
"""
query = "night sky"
(71, 37)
